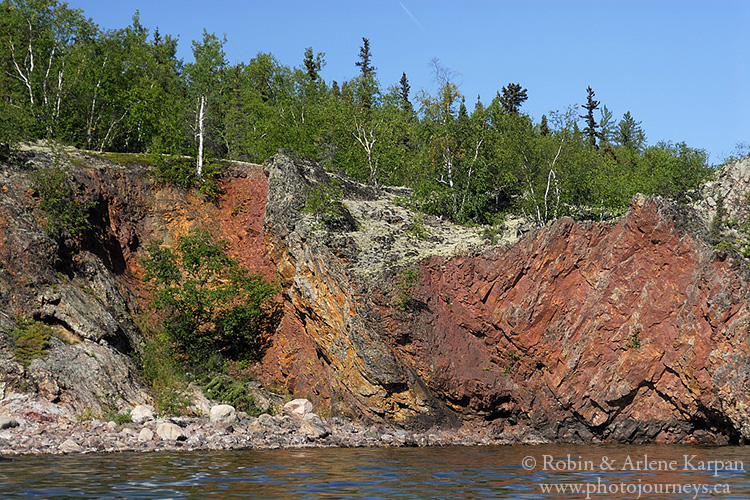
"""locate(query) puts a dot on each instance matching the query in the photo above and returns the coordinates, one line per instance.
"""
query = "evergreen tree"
(606, 126)
(313, 64)
(513, 96)
(590, 130)
(364, 59)
(367, 83)
(629, 133)
(404, 92)
(544, 127)
(335, 90)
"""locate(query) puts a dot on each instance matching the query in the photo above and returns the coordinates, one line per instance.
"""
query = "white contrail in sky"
(411, 16)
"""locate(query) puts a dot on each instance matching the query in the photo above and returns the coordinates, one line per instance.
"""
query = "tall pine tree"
(591, 130)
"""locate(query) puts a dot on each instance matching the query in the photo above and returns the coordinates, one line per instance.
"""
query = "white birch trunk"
(367, 140)
(25, 77)
(201, 116)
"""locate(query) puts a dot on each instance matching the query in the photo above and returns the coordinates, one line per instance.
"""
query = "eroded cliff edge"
(635, 331)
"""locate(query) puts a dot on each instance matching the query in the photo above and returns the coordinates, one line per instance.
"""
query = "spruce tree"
(590, 130)
(403, 92)
(544, 127)
(367, 85)
(513, 96)
(629, 133)
(312, 65)
(364, 59)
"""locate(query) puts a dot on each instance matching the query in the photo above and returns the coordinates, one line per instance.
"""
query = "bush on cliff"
(209, 304)
(65, 211)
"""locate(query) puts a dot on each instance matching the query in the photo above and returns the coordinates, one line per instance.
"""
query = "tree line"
(65, 79)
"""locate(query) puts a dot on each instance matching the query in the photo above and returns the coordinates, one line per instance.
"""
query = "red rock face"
(631, 332)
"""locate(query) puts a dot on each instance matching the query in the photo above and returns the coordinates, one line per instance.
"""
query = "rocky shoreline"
(297, 426)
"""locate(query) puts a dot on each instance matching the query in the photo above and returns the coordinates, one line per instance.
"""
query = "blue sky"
(682, 68)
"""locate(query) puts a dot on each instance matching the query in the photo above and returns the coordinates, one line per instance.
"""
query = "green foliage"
(66, 211)
(180, 172)
(405, 290)
(122, 418)
(108, 404)
(211, 305)
(324, 201)
(591, 131)
(209, 185)
(174, 171)
(158, 366)
(31, 340)
(172, 402)
(126, 91)
(417, 228)
(634, 341)
(231, 391)
(514, 95)
(513, 358)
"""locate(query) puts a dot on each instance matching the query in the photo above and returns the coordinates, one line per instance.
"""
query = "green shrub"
(181, 172)
(172, 402)
(209, 185)
(417, 228)
(231, 391)
(634, 341)
(31, 340)
(405, 285)
(174, 171)
(159, 367)
(324, 201)
(210, 304)
(61, 202)
(122, 418)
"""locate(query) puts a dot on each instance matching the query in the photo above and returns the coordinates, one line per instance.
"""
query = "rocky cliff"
(630, 332)
(634, 331)
(92, 292)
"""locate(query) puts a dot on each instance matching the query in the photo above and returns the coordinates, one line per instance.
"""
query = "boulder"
(146, 434)
(142, 413)
(298, 408)
(223, 414)
(266, 420)
(170, 432)
(7, 422)
(313, 427)
(70, 446)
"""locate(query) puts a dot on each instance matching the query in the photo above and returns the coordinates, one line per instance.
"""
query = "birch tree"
(440, 114)
(35, 38)
(204, 80)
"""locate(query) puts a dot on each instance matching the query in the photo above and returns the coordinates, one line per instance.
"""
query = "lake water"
(521, 472)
